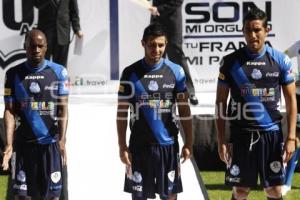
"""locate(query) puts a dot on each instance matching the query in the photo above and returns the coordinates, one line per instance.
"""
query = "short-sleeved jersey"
(255, 82)
(34, 93)
(151, 92)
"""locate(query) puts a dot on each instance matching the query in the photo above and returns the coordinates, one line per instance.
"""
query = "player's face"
(255, 34)
(36, 48)
(154, 49)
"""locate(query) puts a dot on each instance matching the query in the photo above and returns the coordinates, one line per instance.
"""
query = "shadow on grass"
(228, 188)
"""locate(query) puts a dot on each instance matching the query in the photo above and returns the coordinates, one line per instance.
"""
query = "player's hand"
(224, 151)
(63, 152)
(6, 157)
(289, 148)
(79, 34)
(125, 156)
(186, 152)
(154, 11)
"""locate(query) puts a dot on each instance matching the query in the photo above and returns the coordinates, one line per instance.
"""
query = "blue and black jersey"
(34, 93)
(255, 82)
(151, 92)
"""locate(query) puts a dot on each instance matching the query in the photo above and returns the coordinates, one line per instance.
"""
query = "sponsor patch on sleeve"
(221, 76)
(121, 88)
(7, 91)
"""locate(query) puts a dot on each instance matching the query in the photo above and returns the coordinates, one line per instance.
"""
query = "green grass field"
(214, 182)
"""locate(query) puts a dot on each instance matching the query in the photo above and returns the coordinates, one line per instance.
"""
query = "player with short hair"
(35, 119)
(152, 88)
(254, 76)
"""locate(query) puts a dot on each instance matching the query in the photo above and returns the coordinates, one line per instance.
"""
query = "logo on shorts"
(55, 177)
(275, 166)
(21, 176)
(171, 175)
(137, 177)
(235, 170)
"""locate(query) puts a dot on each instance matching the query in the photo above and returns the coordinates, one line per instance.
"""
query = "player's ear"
(143, 43)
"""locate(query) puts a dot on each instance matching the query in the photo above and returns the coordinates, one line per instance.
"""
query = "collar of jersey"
(154, 67)
(38, 68)
(256, 55)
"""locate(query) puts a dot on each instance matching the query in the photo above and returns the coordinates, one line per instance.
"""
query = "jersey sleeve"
(223, 73)
(180, 80)
(287, 75)
(63, 82)
(125, 86)
(9, 87)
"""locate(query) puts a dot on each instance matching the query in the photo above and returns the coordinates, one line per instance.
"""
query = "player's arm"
(122, 114)
(186, 123)
(220, 113)
(62, 114)
(9, 126)
(291, 111)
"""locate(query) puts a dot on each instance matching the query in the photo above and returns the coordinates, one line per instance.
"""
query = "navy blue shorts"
(37, 170)
(154, 169)
(255, 153)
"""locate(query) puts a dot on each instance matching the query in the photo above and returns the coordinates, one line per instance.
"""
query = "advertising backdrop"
(113, 30)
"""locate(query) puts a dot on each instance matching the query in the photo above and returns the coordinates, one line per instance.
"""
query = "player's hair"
(154, 29)
(29, 34)
(256, 14)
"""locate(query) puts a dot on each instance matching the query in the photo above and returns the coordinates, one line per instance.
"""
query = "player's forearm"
(122, 115)
(220, 122)
(291, 120)
(186, 122)
(63, 119)
(9, 125)
(121, 128)
(291, 109)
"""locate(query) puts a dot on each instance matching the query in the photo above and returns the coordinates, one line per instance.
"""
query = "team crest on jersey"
(275, 166)
(235, 170)
(55, 177)
(153, 86)
(256, 74)
(34, 88)
(64, 73)
(21, 176)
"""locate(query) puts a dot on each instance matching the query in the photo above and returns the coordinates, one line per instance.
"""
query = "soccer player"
(168, 13)
(293, 51)
(254, 76)
(35, 119)
(152, 88)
